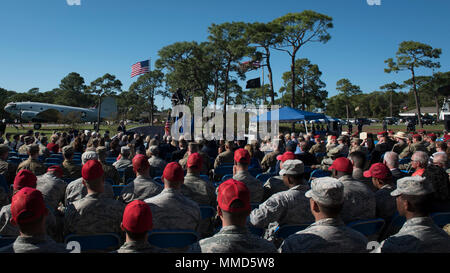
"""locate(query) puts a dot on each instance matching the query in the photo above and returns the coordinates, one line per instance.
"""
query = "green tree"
(410, 56)
(266, 36)
(390, 88)
(307, 80)
(104, 86)
(347, 89)
(300, 29)
(229, 42)
(72, 91)
(146, 86)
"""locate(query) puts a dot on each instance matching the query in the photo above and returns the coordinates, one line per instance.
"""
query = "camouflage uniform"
(76, 191)
(205, 165)
(93, 214)
(254, 185)
(411, 149)
(399, 147)
(328, 235)
(431, 149)
(34, 244)
(199, 190)
(139, 247)
(43, 151)
(269, 160)
(418, 235)
(226, 157)
(171, 209)
(122, 163)
(8, 171)
(71, 170)
(23, 149)
(359, 200)
(331, 146)
(52, 188)
(33, 165)
(8, 229)
(233, 239)
(111, 174)
(140, 189)
(284, 208)
(273, 185)
(318, 148)
(386, 204)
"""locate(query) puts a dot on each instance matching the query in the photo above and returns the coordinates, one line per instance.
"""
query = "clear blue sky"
(43, 41)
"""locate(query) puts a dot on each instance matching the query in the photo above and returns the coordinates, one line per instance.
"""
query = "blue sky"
(43, 41)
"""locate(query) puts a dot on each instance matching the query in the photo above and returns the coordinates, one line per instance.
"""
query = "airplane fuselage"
(29, 111)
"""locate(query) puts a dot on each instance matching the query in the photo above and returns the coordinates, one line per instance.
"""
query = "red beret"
(378, 170)
(140, 163)
(317, 136)
(342, 164)
(333, 137)
(232, 190)
(29, 203)
(25, 178)
(137, 217)
(242, 156)
(173, 172)
(92, 170)
(286, 156)
(195, 161)
(56, 169)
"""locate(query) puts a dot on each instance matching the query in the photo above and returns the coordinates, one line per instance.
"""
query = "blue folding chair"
(158, 180)
(59, 156)
(371, 228)
(172, 238)
(263, 177)
(394, 226)
(207, 211)
(287, 230)
(441, 218)
(117, 189)
(256, 230)
(318, 174)
(110, 160)
(223, 169)
(103, 242)
(7, 240)
(15, 160)
(54, 161)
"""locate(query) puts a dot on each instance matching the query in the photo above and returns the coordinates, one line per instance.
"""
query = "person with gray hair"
(157, 164)
(419, 162)
(76, 190)
(440, 160)
(390, 159)
(124, 161)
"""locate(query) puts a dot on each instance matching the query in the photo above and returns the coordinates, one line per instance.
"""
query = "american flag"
(140, 68)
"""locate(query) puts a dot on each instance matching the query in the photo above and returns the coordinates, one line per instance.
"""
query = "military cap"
(327, 191)
(242, 156)
(27, 206)
(400, 135)
(92, 170)
(173, 172)
(101, 150)
(292, 167)
(230, 191)
(28, 139)
(334, 152)
(3, 148)
(67, 149)
(25, 178)
(33, 148)
(356, 140)
(137, 217)
(413, 185)
(125, 150)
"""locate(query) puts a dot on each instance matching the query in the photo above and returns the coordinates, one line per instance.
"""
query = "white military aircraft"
(45, 112)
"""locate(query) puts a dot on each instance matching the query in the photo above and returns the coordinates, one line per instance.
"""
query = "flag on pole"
(253, 83)
(140, 68)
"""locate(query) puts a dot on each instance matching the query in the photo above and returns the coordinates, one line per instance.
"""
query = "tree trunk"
(303, 95)
(437, 106)
(416, 97)
(293, 87)
(98, 113)
(269, 69)
(151, 109)
(390, 104)
(225, 99)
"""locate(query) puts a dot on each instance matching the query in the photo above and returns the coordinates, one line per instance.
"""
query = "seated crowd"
(322, 185)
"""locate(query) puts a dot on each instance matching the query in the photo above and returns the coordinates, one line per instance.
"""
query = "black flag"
(253, 83)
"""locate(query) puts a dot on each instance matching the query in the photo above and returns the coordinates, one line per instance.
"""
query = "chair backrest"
(104, 242)
(255, 171)
(317, 174)
(263, 177)
(204, 177)
(60, 156)
(368, 227)
(405, 160)
(287, 230)
(441, 218)
(172, 238)
(117, 189)
(4, 184)
(158, 180)
(256, 231)
(207, 211)
(5, 241)
(53, 160)
(224, 169)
